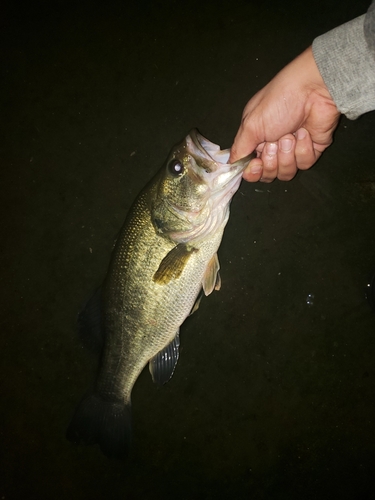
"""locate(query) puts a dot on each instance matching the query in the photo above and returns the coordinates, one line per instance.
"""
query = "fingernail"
(271, 148)
(286, 145)
(301, 133)
(256, 169)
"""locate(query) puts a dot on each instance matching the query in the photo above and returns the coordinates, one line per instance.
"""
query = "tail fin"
(104, 422)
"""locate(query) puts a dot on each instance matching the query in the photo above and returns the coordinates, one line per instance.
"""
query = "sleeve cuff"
(347, 66)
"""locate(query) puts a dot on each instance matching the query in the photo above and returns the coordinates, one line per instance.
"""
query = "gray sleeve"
(345, 57)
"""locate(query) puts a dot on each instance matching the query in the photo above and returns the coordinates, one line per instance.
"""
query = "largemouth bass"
(164, 259)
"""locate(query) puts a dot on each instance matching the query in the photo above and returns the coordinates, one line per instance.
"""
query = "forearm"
(345, 57)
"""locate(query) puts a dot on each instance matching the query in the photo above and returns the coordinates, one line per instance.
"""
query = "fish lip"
(195, 135)
(238, 165)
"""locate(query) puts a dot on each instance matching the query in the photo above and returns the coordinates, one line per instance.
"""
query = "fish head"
(195, 187)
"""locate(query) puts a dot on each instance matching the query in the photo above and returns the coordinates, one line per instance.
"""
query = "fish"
(164, 260)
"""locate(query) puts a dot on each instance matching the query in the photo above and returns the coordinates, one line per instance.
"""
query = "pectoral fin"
(211, 279)
(173, 264)
(163, 364)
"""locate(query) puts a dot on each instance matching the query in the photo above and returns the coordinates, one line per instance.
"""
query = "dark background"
(274, 393)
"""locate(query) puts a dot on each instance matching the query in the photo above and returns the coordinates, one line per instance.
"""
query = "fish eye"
(175, 167)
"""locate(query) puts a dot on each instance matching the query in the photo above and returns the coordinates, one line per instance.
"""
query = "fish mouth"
(211, 165)
(211, 152)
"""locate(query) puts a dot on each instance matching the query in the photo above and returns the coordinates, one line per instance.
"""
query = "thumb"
(244, 143)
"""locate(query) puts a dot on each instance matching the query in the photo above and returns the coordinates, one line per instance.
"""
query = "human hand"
(290, 122)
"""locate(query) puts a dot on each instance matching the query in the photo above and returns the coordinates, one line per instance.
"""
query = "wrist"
(310, 74)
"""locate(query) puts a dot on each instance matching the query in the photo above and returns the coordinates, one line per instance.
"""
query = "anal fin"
(197, 303)
(163, 364)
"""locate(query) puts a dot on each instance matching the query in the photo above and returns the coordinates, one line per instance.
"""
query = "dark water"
(274, 393)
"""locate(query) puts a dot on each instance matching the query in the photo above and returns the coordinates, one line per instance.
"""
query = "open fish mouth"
(212, 152)
(223, 178)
